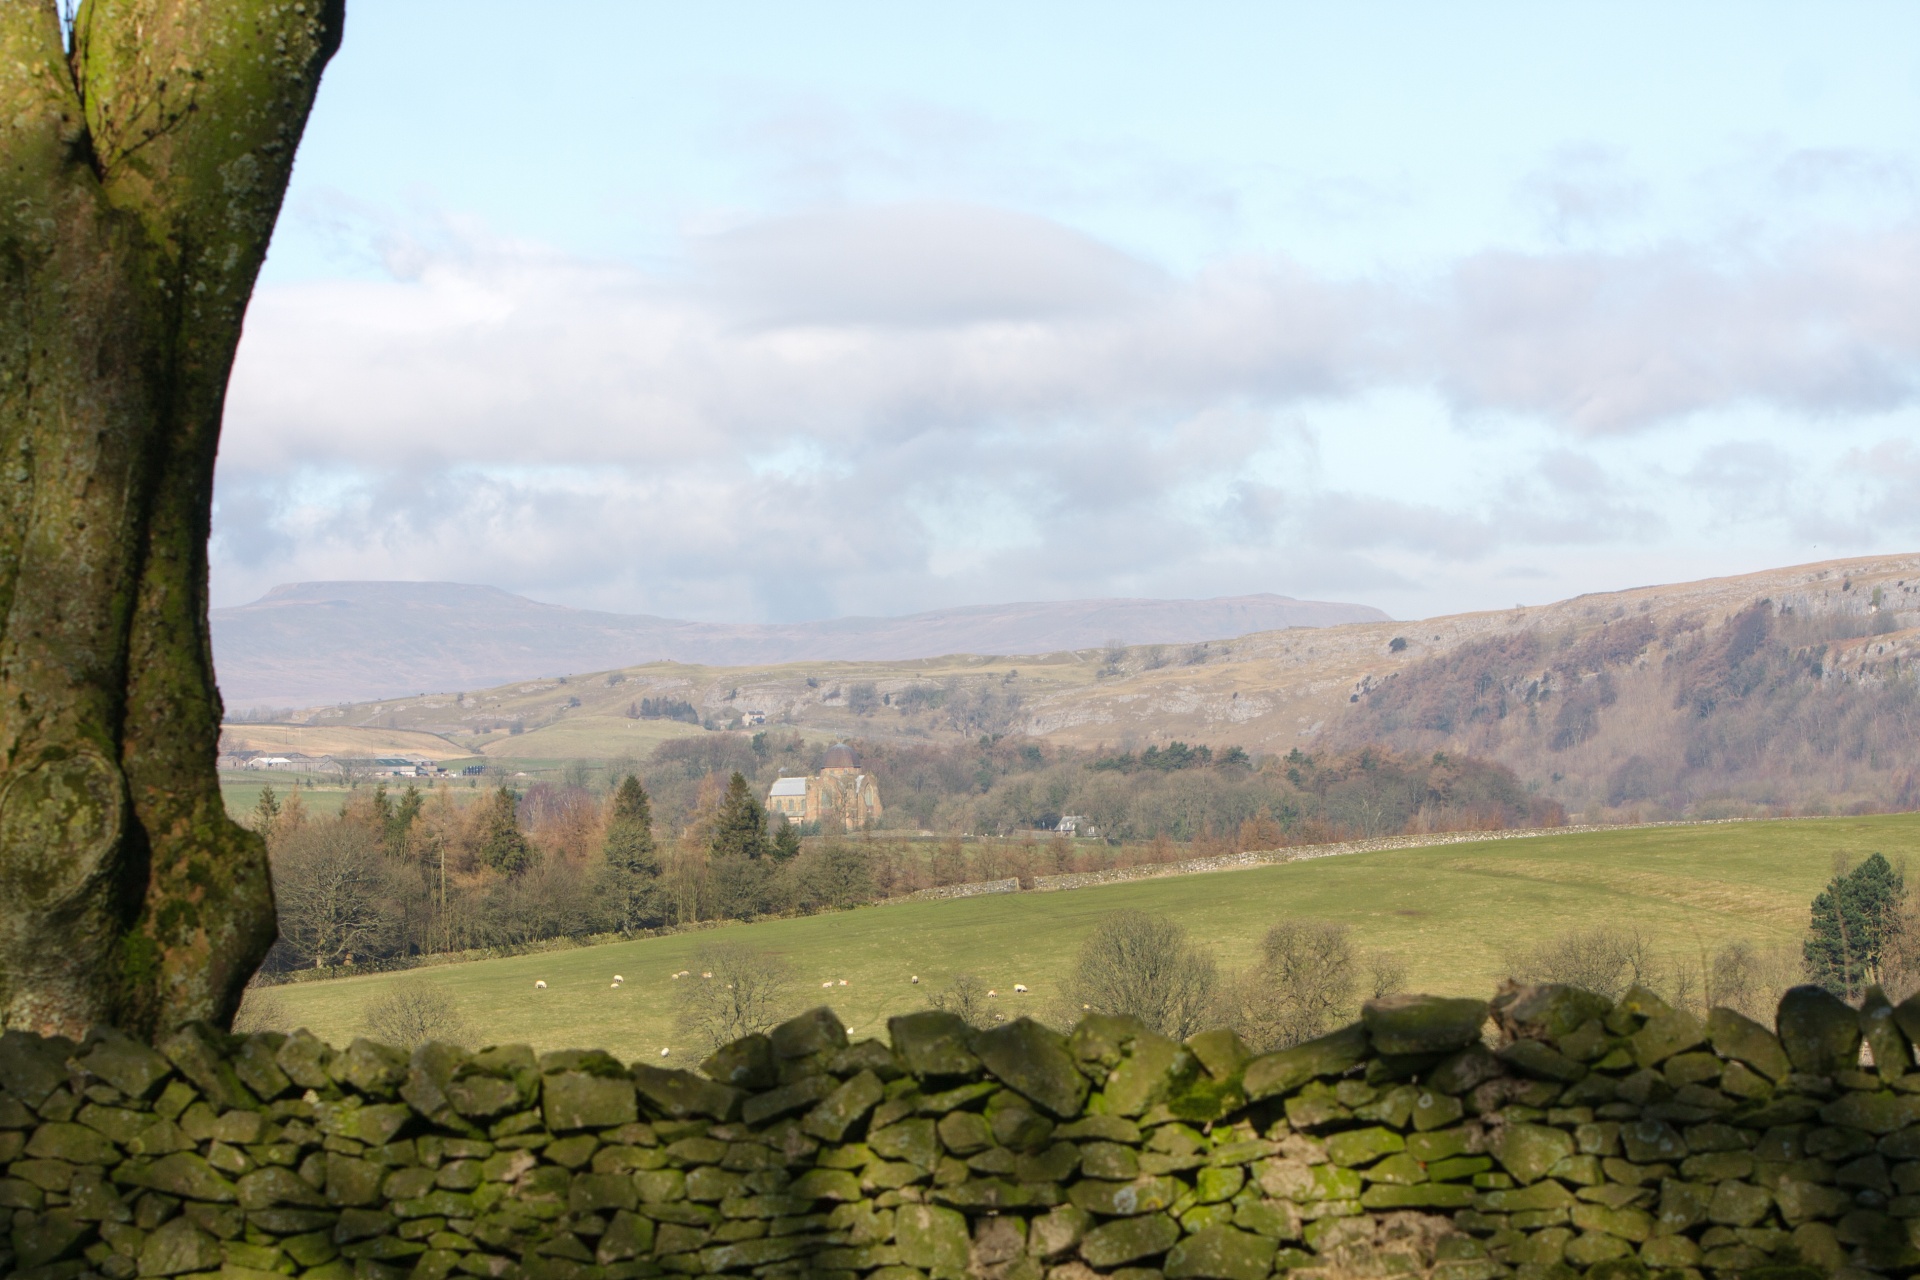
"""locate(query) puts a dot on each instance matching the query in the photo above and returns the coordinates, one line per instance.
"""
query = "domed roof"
(840, 756)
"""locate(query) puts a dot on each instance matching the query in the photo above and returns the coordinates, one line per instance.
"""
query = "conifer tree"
(400, 819)
(740, 829)
(265, 811)
(503, 845)
(786, 843)
(632, 876)
(1853, 920)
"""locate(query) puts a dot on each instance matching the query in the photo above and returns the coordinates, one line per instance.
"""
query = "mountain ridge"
(304, 644)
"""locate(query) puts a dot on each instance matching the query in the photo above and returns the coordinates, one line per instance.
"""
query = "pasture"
(1453, 913)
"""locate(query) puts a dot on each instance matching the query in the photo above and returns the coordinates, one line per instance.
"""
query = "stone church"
(840, 792)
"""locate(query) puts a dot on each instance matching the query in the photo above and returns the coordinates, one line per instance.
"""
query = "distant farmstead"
(840, 792)
(291, 762)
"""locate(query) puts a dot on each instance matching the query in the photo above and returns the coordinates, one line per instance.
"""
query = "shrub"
(966, 999)
(732, 991)
(1143, 965)
(1305, 983)
(1600, 960)
(414, 1012)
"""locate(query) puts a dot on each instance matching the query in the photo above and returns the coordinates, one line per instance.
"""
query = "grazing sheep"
(843, 982)
(706, 975)
(665, 1052)
(618, 978)
(1020, 988)
(915, 979)
(614, 985)
(993, 993)
(539, 986)
(827, 983)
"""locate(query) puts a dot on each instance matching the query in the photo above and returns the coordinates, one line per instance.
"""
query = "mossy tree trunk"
(140, 176)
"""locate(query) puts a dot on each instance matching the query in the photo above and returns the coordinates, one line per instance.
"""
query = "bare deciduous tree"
(1146, 966)
(733, 990)
(336, 892)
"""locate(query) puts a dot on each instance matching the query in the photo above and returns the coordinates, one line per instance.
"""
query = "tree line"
(604, 852)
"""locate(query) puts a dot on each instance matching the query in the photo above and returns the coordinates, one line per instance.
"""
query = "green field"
(1452, 912)
(241, 791)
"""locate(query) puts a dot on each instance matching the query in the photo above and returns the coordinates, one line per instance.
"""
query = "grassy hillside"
(337, 740)
(1452, 912)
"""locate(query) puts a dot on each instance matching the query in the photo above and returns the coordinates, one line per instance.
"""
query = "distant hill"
(1792, 690)
(321, 642)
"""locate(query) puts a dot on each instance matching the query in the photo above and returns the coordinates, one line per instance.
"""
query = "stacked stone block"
(1571, 1135)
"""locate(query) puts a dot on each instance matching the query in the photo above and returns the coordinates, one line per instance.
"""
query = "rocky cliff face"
(1579, 1136)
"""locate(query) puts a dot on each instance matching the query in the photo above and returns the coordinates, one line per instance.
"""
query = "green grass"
(1453, 912)
(242, 793)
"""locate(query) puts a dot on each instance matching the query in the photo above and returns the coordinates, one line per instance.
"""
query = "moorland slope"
(351, 641)
(1788, 690)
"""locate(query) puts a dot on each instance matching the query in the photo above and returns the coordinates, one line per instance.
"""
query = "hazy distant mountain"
(318, 642)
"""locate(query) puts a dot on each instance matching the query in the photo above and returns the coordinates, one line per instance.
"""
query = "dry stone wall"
(1544, 1135)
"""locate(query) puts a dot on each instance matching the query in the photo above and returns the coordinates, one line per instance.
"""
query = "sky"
(763, 312)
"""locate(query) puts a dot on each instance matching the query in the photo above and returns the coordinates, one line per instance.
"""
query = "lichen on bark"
(141, 172)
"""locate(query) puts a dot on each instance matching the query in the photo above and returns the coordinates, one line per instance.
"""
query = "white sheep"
(706, 975)
(915, 979)
(539, 986)
(1020, 988)
(827, 983)
(614, 985)
(993, 993)
(618, 978)
(843, 982)
(665, 1052)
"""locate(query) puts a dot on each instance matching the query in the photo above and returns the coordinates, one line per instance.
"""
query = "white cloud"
(879, 409)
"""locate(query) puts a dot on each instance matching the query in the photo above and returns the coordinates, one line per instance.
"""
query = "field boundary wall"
(1545, 1135)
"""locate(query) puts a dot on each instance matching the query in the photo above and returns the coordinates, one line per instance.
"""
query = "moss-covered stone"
(179, 1248)
(1034, 1060)
(1425, 1195)
(815, 1031)
(933, 1044)
(1413, 1024)
(1221, 1253)
(845, 1107)
(1282, 1072)
(1115, 1243)
(1540, 1060)
(1363, 1146)
(1463, 1071)
(1820, 1034)
(577, 1100)
(1528, 1151)
(931, 1238)
(1145, 1194)
(1548, 1011)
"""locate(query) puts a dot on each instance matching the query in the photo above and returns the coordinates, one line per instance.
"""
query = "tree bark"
(140, 177)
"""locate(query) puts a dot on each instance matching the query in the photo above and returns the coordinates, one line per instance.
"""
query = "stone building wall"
(1546, 1135)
